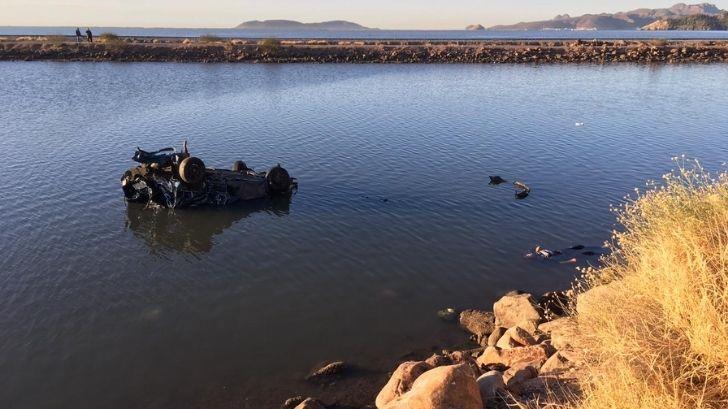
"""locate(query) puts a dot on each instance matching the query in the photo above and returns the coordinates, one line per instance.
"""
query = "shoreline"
(218, 50)
(521, 354)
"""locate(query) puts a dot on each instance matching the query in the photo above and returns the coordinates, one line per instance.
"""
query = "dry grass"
(210, 38)
(110, 38)
(57, 39)
(657, 337)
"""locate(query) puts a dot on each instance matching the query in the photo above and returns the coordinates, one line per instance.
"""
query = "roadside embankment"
(216, 50)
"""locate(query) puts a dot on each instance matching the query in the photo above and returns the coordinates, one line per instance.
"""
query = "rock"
(310, 404)
(506, 342)
(186, 41)
(401, 381)
(291, 403)
(478, 322)
(517, 374)
(536, 355)
(521, 336)
(438, 360)
(446, 387)
(556, 364)
(562, 332)
(328, 370)
(490, 384)
(538, 386)
(495, 336)
(514, 308)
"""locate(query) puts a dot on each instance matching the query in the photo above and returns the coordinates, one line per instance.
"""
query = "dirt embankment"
(380, 51)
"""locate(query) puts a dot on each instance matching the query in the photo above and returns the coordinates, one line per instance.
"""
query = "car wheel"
(192, 170)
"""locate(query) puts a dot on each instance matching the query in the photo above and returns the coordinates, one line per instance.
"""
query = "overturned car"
(171, 179)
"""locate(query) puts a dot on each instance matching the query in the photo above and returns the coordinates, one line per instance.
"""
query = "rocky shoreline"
(216, 50)
(527, 357)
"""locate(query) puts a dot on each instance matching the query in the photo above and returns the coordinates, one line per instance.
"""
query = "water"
(380, 34)
(107, 305)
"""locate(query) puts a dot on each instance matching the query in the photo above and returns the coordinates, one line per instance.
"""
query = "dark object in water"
(496, 180)
(540, 252)
(447, 314)
(166, 178)
(522, 191)
(569, 255)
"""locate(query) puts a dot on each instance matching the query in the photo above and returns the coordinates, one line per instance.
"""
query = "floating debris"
(522, 190)
(447, 314)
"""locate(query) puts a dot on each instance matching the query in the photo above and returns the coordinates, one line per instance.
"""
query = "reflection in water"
(193, 231)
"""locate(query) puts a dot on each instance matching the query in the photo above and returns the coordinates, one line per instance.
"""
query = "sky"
(385, 14)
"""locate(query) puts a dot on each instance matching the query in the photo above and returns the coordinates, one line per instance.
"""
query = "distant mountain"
(475, 27)
(695, 23)
(627, 20)
(296, 25)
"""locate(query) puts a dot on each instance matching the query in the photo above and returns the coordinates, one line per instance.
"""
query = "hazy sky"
(410, 14)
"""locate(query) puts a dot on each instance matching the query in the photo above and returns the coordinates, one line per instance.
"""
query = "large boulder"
(490, 385)
(516, 375)
(446, 387)
(515, 308)
(535, 355)
(478, 322)
(558, 363)
(521, 336)
(562, 332)
(401, 381)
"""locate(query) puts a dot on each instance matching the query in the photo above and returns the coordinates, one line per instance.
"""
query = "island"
(335, 25)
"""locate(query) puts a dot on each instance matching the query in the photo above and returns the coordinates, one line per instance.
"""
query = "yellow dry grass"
(657, 336)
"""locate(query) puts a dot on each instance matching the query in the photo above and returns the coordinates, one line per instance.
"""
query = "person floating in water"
(89, 36)
(78, 35)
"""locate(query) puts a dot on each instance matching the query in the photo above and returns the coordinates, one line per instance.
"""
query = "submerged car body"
(166, 178)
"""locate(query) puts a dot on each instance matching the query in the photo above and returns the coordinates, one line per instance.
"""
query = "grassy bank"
(656, 335)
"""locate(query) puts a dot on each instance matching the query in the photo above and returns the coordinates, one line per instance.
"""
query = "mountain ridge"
(624, 20)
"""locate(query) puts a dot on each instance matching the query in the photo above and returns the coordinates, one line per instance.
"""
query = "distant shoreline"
(211, 49)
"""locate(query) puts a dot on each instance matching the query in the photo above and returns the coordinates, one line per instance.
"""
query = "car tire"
(279, 181)
(239, 166)
(192, 170)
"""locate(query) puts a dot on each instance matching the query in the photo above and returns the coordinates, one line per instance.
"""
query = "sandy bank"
(326, 51)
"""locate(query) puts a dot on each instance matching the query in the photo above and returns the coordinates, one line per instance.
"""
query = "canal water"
(110, 305)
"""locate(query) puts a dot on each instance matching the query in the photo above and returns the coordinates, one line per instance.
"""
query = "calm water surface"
(108, 305)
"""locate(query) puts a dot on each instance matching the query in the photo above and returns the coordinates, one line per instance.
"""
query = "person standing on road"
(78, 35)
(89, 35)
